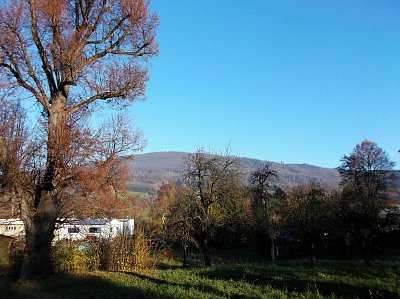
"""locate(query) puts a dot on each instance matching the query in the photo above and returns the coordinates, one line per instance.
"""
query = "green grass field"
(140, 195)
(285, 279)
(237, 274)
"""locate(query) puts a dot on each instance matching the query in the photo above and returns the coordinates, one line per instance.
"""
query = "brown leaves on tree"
(97, 47)
(67, 55)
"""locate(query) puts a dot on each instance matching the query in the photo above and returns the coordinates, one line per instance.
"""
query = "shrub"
(124, 253)
(117, 253)
(142, 251)
(76, 256)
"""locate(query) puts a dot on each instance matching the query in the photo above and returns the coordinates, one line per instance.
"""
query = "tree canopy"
(365, 179)
(85, 50)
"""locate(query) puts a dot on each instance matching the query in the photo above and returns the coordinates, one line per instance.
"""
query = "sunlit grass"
(140, 195)
(285, 279)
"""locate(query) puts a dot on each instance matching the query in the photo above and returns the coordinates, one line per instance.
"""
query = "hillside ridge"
(150, 170)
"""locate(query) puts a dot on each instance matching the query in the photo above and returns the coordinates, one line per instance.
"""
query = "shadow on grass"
(76, 286)
(287, 278)
(102, 286)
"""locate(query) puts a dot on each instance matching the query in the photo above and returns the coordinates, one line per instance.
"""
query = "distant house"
(75, 229)
(12, 227)
(79, 229)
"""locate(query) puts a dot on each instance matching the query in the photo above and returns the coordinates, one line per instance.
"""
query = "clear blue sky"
(291, 81)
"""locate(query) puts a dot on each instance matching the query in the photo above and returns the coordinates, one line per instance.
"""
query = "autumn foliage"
(66, 56)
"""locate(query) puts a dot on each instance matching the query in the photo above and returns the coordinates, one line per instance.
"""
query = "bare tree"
(207, 175)
(365, 179)
(308, 207)
(180, 220)
(265, 205)
(68, 55)
(20, 158)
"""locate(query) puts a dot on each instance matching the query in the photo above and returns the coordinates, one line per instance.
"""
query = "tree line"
(219, 205)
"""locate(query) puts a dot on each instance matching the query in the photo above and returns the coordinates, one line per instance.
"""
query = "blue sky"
(290, 81)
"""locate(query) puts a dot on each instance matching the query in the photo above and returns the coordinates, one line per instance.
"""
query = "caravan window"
(73, 230)
(94, 230)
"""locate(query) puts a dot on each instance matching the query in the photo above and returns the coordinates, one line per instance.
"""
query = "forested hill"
(153, 169)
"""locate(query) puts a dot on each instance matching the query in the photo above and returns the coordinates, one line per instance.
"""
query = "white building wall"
(109, 229)
(12, 227)
(75, 229)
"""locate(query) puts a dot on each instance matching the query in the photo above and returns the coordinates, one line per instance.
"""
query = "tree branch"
(42, 53)
(85, 21)
(100, 96)
(109, 34)
(21, 82)
(31, 72)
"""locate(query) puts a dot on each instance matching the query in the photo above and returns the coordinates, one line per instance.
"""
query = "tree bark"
(271, 238)
(40, 220)
(364, 243)
(312, 255)
(206, 251)
(39, 234)
(184, 262)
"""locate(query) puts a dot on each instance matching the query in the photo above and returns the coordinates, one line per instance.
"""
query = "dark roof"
(89, 221)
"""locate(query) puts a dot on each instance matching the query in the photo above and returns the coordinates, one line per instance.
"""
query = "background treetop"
(367, 166)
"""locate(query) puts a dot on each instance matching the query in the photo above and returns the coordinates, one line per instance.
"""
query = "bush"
(117, 253)
(76, 256)
(124, 253)
(142, 252)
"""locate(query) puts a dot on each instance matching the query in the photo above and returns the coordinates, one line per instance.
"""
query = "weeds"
(122, 253)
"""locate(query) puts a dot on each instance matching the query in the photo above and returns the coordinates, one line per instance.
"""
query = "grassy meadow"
(284, 279)
(140, 195)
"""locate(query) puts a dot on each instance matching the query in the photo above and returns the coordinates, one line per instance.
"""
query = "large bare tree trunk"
(39, 234)
(40, 220)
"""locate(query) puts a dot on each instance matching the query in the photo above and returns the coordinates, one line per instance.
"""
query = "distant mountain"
(152, 169)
